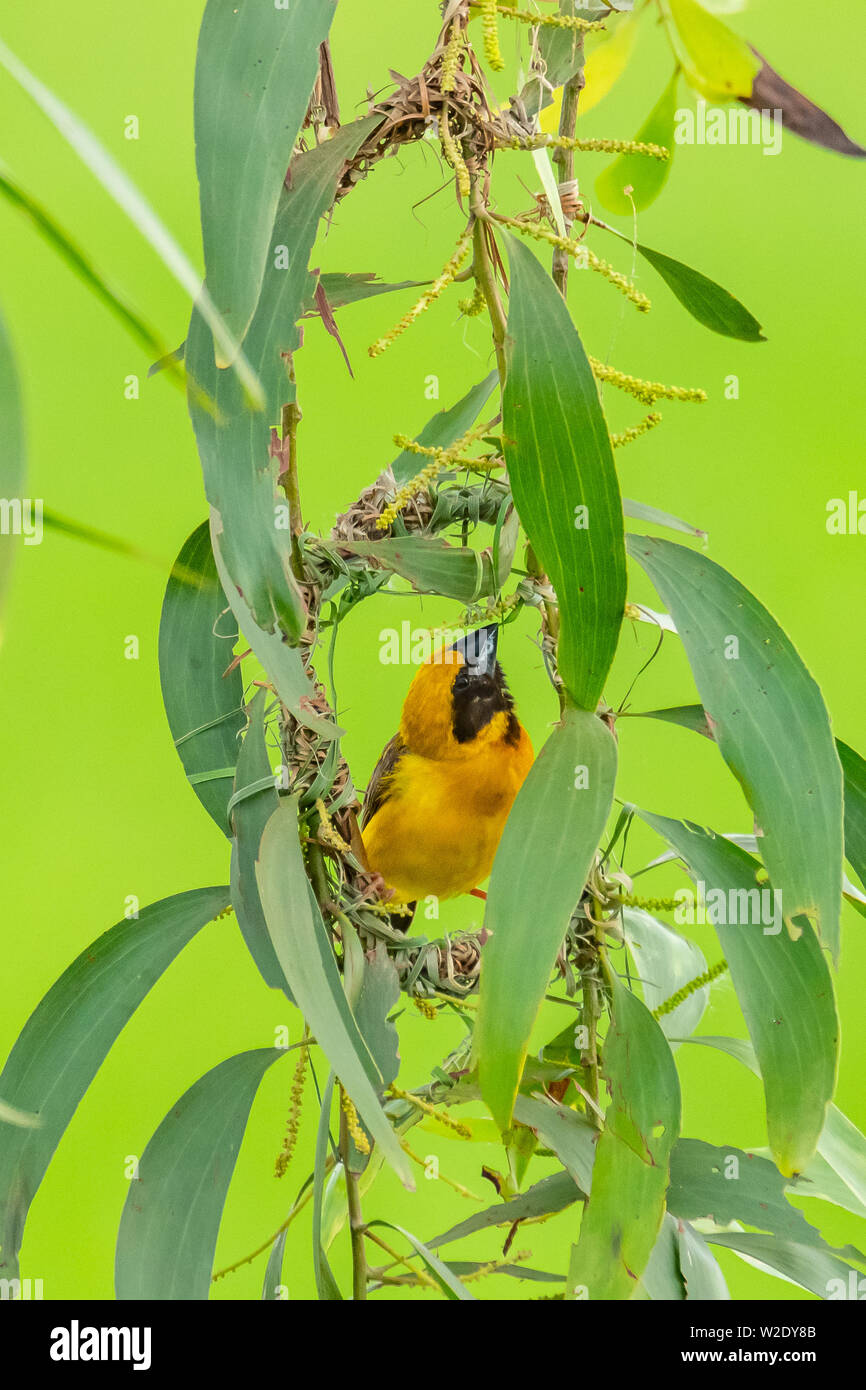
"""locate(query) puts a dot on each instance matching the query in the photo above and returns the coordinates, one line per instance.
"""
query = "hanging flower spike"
(359, 1138)
(566, 142)
(583, 256)
(439, 284)
(451, 59)
(440, 460)
(552, 21)
(647, 392)
(691, 988)
(453, 153)
(492, 51)
(649, 422)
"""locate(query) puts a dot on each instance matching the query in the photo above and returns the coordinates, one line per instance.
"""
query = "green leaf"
(67, 1037)
(662, 1280)
(203, 704)
(273, 1279)
(666, 961)
(304, 951)
(728, 1184)
(640, 511)
(770, 723)
(13, 460)
(646, 176)
(283, 663)
(571, 1136)
(447, 1281)
(326, 1284)
(607, 60)
(240, 474)
(817, 1270)
(380, 991)
(541, 865)
(563, 479)
(717, 61)
(112, 297)
(784, 988)
(622, 1219)
(255, 68)
(249, 815)
(123, 191)
(854, 770)
(700, 1272)
(841, 1144)
(431, 565)
(544, 1198)
(10, 1115)
(445, 428)
(342, 289)
(706, 301)
(171, 1217)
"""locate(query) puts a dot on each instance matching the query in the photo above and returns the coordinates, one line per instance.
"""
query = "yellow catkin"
(648, 904)
(495, 1265)
(474, 306)
(327, 835)
(226, 912)
(441, 1115)
(589, 146)
(452, 153)
(553, 21)
(647, 392)
(359, 1138)
(682, 994)
(583, 255)
(294, 1121)
(440, 460)
(492, 51)
(451, 59)
(480, 617)
(439, 284)
(389, 910)
(425, 1007)
(649, 422)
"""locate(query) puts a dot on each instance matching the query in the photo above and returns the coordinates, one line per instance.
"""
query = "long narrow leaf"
(13, 461)
(171, 1217)
(66, 1039)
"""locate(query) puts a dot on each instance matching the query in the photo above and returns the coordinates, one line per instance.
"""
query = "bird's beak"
(478, 649)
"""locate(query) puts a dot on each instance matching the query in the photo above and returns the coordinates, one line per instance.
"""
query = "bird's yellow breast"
(438, 829)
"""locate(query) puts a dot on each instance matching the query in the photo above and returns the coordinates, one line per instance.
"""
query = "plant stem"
(356, 1219)
(482, 269)
(290, 416)
(563, 158)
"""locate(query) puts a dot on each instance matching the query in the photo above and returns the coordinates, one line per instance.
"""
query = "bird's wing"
(378, 788)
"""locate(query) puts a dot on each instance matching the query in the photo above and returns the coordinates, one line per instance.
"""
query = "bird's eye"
(462, 679)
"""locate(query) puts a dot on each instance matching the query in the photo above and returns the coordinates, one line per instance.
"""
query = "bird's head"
(458, 701)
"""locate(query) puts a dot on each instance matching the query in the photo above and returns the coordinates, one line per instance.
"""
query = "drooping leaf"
(255, 799)
(817, 1270)
(797, 113)
(783, 986)
(665, 961)
(240, 473)
(854, 770)
(431, 565)
(570, 1135)
(645, 175)
(716, 60)
(273, 1280)
(80, 263)
(67, 1037)
(640, 511)
(380, 991)
(770, 723)
(841, 1143)
(544, 1198)
(304, 951)
(445, 428)
(700, 1272)
(13, 462)
(282, 662)
(662, 1280)
(326, 1284)
(341, 289)
(563, 479)
(727, 1184)
(622, 1219)
(255, 68)
(123, 191)
(171, 1217)
(448, 1282)
(541, 865)
(203, 704)
(706, 301)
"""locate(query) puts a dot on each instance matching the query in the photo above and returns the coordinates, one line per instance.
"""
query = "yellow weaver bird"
(441, 792)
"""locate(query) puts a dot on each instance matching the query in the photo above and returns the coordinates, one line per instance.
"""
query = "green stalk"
(564, 159)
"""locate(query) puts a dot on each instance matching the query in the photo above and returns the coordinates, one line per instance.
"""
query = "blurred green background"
(94, 803)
